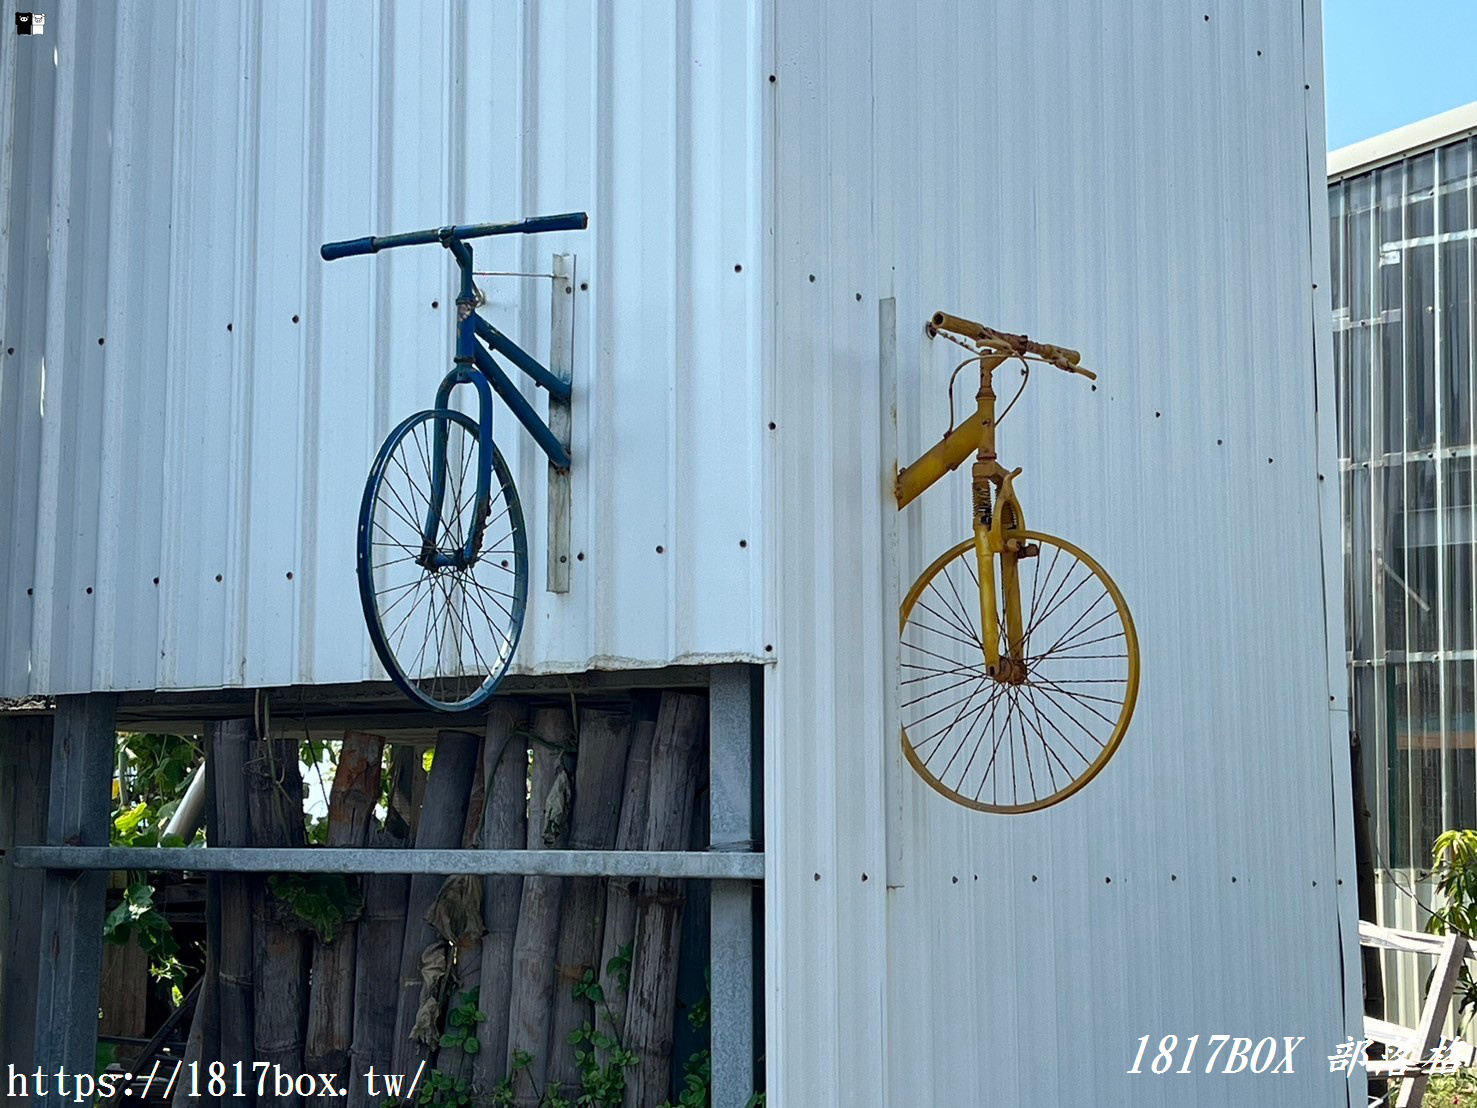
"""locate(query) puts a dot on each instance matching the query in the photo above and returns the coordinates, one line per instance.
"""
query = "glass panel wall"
(1404, 307)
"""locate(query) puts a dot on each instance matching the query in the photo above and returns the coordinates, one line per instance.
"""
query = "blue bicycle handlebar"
(373, 244)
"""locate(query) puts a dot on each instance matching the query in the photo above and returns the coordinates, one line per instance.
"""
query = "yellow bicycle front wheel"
(1019, 745)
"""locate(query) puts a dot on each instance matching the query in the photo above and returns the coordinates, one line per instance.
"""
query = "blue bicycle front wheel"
(444, 624)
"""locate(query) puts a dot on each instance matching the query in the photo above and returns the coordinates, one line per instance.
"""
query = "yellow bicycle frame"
(977, 434)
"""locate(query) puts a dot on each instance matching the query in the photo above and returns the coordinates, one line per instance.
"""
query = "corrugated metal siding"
(1134, 182)
(172, 170)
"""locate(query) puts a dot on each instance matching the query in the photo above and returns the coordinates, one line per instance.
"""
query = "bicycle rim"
(446, 635)
(1000, 747)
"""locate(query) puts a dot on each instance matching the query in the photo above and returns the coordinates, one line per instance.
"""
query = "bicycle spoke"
(964, 680)
(965, 623)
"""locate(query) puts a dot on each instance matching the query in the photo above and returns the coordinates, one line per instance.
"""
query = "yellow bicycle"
(1020, 663)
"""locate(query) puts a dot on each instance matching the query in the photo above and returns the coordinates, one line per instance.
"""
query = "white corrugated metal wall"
(1133, 180)
(172, 170)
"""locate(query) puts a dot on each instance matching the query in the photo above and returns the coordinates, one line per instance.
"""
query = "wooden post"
(228, 743)
(25, 782)
(535, 943)
(443, 815)
(676, 769)
(71, 956)
(504, 827)
(381, 938)
(279, 960)
(466, 937)
(621, 892)
(356, 786)
(599, 780)
(125, 990)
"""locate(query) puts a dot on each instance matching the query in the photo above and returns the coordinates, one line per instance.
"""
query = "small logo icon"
(30, 23)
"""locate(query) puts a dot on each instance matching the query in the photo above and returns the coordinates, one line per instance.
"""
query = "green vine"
(318, 902)
(151, 774)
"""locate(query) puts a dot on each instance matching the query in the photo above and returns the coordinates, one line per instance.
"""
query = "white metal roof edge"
(1413, 138)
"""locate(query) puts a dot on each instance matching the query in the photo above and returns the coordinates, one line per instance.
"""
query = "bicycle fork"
(990, 542)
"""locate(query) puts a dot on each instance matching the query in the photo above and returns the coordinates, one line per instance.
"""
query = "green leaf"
(471, 1045)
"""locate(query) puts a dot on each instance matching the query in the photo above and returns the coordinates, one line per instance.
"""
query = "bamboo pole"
(466, 978)
(535, 942)
(356, 786)
(381, 935)
(504, 827)
(599, 780)
(676, 769)
(442, 818)
(621, 892)
(229, 742)
(279, 964)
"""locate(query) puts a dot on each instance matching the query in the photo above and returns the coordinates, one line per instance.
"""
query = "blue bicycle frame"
(475, 366)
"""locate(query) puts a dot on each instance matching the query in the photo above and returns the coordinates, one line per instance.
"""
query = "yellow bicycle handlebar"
(1002, 342)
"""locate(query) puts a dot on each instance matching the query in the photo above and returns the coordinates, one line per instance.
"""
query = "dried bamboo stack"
(381, 991)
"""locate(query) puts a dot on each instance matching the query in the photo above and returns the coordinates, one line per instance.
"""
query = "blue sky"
(1387, 63)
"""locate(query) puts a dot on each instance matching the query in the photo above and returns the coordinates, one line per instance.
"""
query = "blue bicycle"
(442, 553)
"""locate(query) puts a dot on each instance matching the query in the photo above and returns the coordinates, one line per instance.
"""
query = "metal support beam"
(262, 859)
(732, 696)
(561, 365)
(72, 904)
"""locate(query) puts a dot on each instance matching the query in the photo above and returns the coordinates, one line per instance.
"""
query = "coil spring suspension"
(983, 509)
